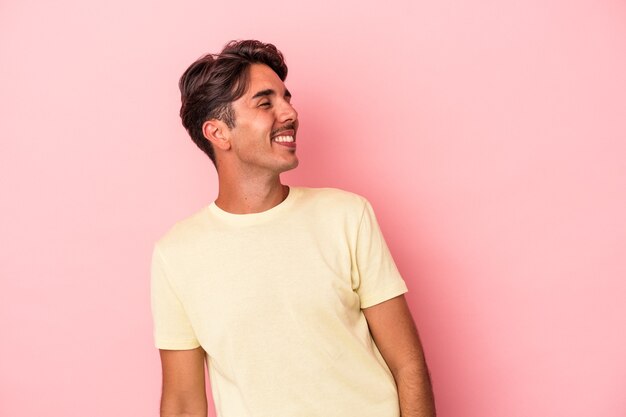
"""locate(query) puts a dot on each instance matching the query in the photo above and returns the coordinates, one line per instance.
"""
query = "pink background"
(489, 137)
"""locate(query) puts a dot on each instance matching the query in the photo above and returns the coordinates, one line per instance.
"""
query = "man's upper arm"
(184, 389)
(395, 334)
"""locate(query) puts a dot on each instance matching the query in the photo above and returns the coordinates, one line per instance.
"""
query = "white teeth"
(283, 139)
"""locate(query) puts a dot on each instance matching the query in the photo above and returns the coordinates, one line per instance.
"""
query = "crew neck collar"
(250, 218)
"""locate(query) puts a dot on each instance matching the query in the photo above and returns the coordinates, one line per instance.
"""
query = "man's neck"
(251, 196)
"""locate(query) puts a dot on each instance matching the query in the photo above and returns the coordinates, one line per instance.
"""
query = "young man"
(289, 293)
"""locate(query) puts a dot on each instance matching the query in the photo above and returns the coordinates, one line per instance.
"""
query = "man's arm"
(184, 392)
(395, 334)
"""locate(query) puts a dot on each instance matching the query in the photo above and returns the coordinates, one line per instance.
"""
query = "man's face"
(264, 137)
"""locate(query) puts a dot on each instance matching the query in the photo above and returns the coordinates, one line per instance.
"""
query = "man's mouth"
(284, 139)
(285, 136)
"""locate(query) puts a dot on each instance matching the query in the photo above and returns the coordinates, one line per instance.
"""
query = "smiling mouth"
(289, 129)
(284, 138)
(285, 135)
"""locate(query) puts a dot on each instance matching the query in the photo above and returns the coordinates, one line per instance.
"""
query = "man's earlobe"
(216, 132)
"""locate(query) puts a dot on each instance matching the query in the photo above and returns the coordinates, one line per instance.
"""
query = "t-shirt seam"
(386, 294)
(356, 242)
(171, 286)
(177, 342)
(165, 273)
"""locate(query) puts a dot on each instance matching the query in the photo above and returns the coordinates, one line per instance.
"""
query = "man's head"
(219, 108)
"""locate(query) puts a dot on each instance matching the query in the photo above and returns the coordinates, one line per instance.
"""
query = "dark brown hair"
(213, 82)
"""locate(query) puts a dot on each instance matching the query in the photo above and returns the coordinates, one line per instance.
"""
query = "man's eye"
(265, 104)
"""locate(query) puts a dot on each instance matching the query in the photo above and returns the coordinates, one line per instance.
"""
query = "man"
(289, 293)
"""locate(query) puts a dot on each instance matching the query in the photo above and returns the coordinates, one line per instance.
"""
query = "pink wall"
(489, 136)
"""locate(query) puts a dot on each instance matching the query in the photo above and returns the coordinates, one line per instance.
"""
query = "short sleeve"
(375, 275)
(172, 329)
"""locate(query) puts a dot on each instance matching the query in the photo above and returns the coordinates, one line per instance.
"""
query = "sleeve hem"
(176, 345)
(385, 295)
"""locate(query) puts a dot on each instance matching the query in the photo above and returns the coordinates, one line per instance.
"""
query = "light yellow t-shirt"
(275, 299)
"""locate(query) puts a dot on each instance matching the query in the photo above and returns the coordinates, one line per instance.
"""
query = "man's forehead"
(264, 80)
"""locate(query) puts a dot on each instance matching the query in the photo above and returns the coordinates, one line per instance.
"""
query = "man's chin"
(295, 165)
(289, 167)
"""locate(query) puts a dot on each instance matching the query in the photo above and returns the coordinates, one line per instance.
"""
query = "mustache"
(288, 126)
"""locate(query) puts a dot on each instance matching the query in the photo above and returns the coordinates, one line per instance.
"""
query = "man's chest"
(253, 290)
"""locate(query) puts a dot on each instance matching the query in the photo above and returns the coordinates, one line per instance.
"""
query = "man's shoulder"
(184, 231)
(334, 198)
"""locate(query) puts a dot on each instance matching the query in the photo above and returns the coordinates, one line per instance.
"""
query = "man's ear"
(216, 132)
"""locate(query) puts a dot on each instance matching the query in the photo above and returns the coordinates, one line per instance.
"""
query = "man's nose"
(288, 112)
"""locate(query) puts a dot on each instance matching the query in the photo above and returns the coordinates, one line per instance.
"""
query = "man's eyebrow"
(269, 92)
